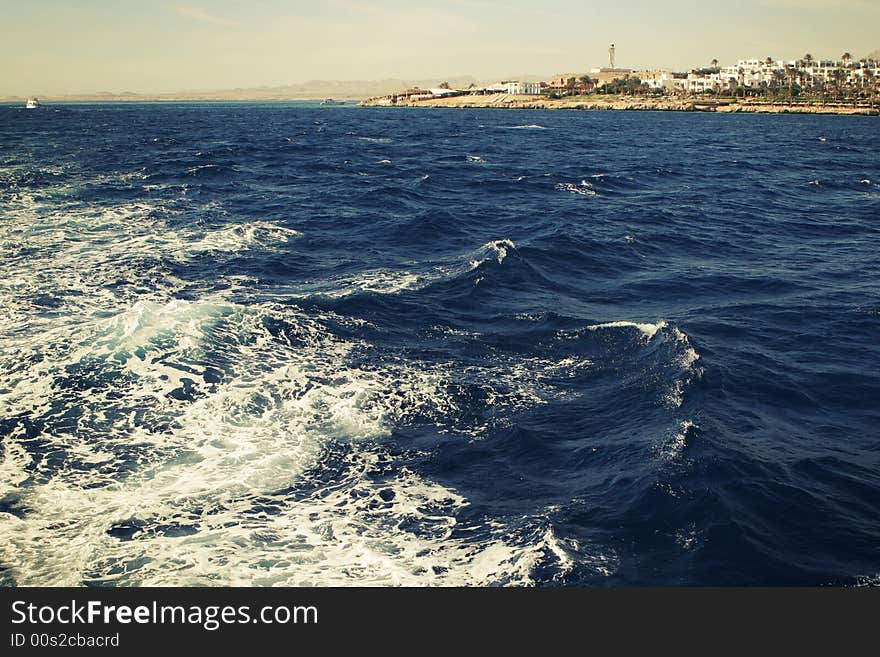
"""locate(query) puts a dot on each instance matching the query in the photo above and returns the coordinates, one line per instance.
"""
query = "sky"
(154, 46)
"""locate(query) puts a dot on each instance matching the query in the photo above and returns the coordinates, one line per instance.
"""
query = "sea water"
(283, 344)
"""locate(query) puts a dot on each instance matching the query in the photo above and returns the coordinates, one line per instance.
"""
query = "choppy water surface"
(287, 345)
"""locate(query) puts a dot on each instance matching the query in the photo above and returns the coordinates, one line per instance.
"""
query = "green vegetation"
(849, 82)
(804, 81)
(795, 82)
(629, 86)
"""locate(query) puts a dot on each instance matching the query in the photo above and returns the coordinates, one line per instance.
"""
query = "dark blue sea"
(284, 344)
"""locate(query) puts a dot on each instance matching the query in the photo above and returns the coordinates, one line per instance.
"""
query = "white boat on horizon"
(331, 101)
(32, 103)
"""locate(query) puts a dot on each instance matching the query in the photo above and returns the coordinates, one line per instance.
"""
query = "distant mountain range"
(339, 89)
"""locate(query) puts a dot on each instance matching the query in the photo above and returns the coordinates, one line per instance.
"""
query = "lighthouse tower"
(611, 51)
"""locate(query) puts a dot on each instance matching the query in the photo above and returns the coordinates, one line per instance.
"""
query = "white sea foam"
(531, 126)
(120, 176)
(672, 448)
(192, 171)
(647, 329)
(202, 505)
(688, 537)
(868, 581)
(192, 415)
(496, 250)
(241, 236)
(584, 188)
(87, 261)
(395, 281)
(190, 440)
(376, 281)
(475, 158)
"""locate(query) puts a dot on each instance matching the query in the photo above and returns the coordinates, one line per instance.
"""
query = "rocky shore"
(665, 103)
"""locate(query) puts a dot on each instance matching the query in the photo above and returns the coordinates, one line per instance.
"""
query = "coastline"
(625, 103)
(60, 100)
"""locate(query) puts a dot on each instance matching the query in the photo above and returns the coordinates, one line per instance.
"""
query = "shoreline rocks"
(663, 104)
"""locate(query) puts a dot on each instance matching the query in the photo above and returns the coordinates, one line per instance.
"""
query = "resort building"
(657, 80)
(697, 83)
(517, 88)
(865, 74)
(764, 73)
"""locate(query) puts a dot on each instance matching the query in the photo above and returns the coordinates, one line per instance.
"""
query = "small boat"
(330, 101)
(32, 103)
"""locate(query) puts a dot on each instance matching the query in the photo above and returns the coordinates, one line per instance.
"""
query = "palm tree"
(808, 59)
(809, 81)
(839, 80)
(819, 85)
(869, 80)
(778, 80)
(714, 63)
(847, 59)
(768, 61)
(789, 74)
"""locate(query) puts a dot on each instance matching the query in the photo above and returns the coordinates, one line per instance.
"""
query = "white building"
(697, 83)
(517, 88)
(663, 80)
(863, 74)
(442, 93)
(757, 73)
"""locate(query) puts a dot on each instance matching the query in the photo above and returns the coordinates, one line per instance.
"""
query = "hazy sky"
(68, 46)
